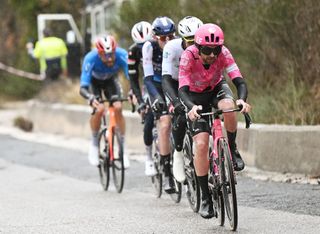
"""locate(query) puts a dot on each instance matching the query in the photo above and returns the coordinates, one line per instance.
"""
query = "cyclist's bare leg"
(164, 128)
(201, 162)
(230, 124)
(202, 167)
(95, 120)
(230, 120)
(119, 117)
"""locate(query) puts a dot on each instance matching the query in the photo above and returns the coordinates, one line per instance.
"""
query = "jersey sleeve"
(185, 68)
(124, 63)
(167, 60)
(87, 66)
(230, 65)
(147, 52)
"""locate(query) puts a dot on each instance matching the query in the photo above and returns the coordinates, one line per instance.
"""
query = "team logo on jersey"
(166, 54)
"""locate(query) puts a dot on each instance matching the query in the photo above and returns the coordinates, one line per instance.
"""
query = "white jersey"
(171, 58)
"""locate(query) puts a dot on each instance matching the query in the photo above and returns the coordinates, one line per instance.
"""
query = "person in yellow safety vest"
(51, 52)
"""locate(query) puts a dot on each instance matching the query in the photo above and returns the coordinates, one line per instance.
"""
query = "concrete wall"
(281, 148)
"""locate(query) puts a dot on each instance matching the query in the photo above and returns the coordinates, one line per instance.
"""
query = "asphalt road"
(264, 206)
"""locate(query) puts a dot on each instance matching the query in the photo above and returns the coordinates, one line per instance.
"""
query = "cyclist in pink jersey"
(201, 86)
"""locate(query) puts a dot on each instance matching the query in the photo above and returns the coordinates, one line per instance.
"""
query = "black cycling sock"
(232, 140)
(165, 161)
(203, 182)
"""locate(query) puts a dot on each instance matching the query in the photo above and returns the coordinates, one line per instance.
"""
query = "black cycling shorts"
(111, 88)
(208, 100)
(164, 110)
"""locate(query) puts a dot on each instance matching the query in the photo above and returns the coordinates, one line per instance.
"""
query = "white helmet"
(188, 26)
(141, 32)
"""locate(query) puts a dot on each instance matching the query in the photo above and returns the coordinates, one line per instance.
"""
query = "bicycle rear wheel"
(104, 162)
(157, 178)
(176, 196)
(192, 184)
(228, 183)
(117, 163)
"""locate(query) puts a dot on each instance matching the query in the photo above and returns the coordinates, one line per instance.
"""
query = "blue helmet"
(163, 25)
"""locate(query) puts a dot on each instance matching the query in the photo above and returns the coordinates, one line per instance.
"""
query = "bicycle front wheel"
(228, 183)
(157, 178)
(117, 163)
(192, 184)
(104, 160)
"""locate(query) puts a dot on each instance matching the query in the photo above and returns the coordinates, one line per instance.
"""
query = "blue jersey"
(93, 67)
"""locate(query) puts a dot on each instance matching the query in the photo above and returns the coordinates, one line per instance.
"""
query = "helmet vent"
(212, 37)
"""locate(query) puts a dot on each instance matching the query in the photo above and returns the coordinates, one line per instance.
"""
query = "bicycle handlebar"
(220, 112)
(114, 100)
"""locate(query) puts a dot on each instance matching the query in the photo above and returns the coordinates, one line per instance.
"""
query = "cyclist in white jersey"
(170, 71)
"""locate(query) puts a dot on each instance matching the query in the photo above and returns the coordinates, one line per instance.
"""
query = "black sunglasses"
(206, 50)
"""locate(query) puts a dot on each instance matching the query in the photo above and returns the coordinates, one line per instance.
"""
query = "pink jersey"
(193, 74)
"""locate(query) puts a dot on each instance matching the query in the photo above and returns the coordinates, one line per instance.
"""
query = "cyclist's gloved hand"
(179, 108)
(91, 99)
(158, 105)
(193, 113)
(245, 106)
(142, 107)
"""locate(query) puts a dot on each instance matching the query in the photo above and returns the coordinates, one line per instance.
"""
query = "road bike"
(157, 179)
(222, 179)
(111, 150)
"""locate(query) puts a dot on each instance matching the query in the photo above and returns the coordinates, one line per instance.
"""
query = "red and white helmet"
(141, 32)
(106, 44)
(209, 35)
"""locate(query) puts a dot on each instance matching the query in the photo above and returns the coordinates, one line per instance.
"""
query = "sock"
(95, 140)
(203, 182)
(149, 152)
(165, 161)
(232, 140)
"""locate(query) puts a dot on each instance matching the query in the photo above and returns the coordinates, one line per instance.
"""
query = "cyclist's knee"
(226, 104)
(100, 110)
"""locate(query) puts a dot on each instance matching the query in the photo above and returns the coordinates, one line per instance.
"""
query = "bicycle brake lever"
(248, 119)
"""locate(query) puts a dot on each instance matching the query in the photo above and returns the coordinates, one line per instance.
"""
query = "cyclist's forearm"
(241, 88)
(134, 83)
(169, 89)
(84, 92)
(184, 96)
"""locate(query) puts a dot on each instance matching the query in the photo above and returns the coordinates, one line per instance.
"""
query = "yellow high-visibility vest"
(50, 48)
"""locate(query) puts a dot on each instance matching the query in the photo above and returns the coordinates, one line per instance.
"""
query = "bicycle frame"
(111, 127)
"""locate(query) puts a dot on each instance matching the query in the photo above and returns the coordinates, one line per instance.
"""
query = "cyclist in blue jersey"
(100, 74)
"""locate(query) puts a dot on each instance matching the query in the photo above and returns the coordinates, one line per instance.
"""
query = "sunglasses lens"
(209, 50)
(166, 37)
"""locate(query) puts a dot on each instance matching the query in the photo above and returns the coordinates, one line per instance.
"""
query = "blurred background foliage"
(275, 43)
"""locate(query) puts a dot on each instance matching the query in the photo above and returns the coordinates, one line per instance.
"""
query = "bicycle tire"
(217, 198)
(104, 160)
(228, 183)
(156, 180)
(192, 184)
(117, 163)
(176, 196)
